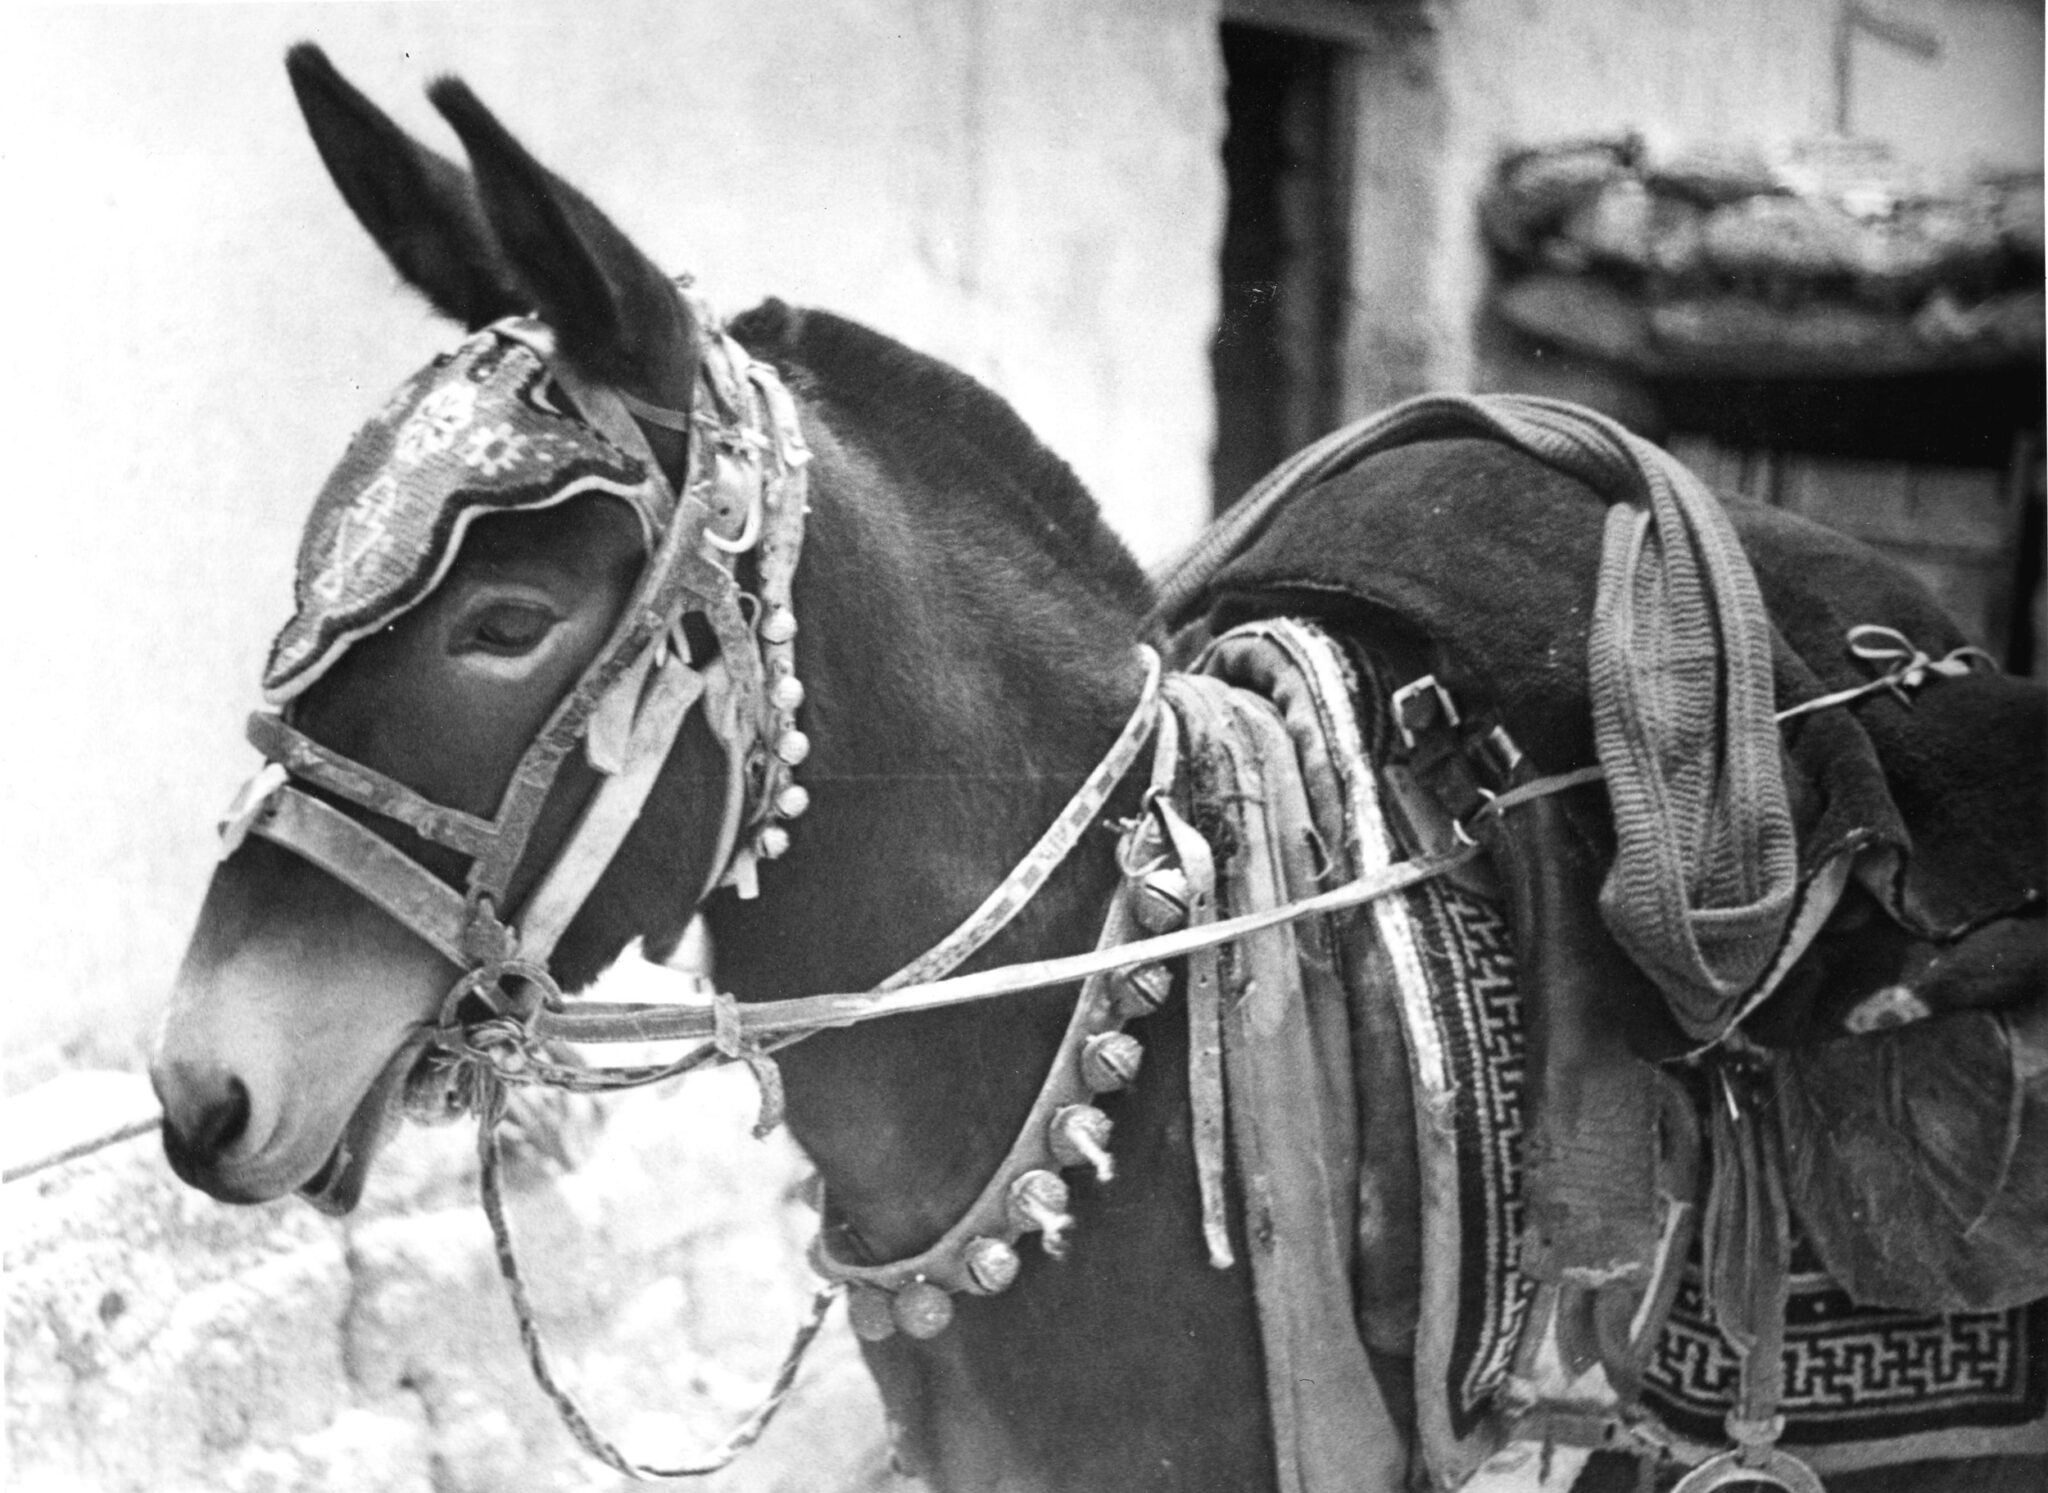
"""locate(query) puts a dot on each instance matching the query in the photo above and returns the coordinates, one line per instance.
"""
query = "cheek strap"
(665, 697)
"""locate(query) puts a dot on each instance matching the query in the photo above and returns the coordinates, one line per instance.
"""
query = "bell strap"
(338, 845)
(594, 1021)
(950, 1262)
(1023, 883)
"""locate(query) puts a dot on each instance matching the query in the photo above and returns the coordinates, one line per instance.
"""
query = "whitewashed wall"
(1028, 188)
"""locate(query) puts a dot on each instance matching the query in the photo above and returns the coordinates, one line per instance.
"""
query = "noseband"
(744, 493)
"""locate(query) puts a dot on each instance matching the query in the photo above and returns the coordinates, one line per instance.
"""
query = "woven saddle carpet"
(1872, 1386)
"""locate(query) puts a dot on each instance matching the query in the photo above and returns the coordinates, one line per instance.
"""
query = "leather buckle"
(252, 802)
(1422, 705)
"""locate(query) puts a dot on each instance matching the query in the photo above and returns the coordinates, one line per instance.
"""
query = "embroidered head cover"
(484, 429)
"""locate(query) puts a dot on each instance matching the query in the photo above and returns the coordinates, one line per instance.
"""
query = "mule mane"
(939, 422)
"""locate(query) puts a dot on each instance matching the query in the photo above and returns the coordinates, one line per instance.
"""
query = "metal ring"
(1458, 825)
(487, 983)
(1774, 1467)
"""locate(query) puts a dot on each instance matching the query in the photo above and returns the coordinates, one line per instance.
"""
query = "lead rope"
(490, 1110)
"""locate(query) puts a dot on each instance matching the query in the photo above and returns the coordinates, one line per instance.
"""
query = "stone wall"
(159, 1341)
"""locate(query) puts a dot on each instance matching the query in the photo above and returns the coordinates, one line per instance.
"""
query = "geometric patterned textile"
(1863, 1386)
(1476, 1007)
(482, 429)
(1462, 1011)
(1857, 1373)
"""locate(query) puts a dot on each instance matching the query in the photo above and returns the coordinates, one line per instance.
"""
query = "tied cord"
(1906, 667)
(732, 1043)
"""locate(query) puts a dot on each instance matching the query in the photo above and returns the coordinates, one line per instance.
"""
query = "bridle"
(743, 495)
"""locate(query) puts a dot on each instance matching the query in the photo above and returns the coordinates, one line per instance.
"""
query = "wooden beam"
(1351, 23)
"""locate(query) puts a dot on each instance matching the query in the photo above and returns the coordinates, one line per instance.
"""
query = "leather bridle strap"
(346, 850)
(1023, 883)
(593, 1021)
(745, 474)
(612, 811)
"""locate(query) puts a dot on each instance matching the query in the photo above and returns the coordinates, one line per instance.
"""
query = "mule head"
(300, 1008)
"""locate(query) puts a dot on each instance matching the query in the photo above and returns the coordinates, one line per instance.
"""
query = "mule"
(967, 623)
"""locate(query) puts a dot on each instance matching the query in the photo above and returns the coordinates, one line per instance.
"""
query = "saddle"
(1878, 1090)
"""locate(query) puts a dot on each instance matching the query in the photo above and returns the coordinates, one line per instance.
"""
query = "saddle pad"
(1492, 558)
(1436, 978)
(1863, 1387)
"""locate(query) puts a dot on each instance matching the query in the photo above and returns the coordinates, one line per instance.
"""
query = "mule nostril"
(225, 1120)
(204, 1114)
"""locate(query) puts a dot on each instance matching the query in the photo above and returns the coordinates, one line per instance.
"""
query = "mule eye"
(509, 627)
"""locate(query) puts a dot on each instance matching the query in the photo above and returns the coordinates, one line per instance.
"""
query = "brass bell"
(991, 1265)
(791, 802)
(778, 625)
(1141, 991)
(1080, 1132)
(1038, 1200)
(772, 843)
(786, 693)
(870, 1313)
(1160, 899)
(922, 1310)
(792, 747)
(1110, 1060)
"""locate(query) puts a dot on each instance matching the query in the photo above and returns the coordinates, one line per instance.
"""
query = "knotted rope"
(1906, 667)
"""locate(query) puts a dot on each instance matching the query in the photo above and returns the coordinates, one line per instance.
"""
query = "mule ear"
(419, 206)
(614, 313)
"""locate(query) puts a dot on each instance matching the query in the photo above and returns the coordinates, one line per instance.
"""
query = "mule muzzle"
(206, 1110)
(206, 1124)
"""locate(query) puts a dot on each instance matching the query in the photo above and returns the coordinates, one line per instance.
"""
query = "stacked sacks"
(1825, 260)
